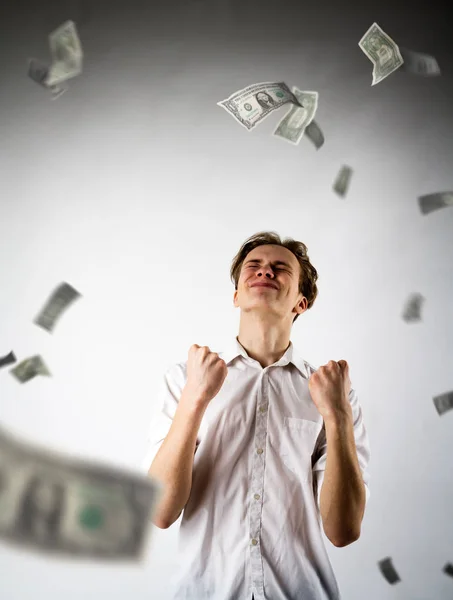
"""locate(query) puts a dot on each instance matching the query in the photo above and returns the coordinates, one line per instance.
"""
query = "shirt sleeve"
(362, 446)
(168, 398)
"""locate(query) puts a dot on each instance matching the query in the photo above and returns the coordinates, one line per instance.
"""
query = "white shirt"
(252, 523)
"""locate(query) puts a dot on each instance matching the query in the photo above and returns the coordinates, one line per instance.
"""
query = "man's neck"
(265, 344)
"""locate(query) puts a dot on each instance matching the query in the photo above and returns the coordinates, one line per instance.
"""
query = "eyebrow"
(275, 262)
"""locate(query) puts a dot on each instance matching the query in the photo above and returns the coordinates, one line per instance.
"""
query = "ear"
(235, 298)
(303, 304)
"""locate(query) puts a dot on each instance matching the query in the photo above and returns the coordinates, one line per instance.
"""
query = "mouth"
(266, 285)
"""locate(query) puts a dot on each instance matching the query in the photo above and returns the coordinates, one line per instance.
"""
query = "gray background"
(138, 190)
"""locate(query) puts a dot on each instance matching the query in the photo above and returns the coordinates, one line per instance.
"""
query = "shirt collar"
(235, 349)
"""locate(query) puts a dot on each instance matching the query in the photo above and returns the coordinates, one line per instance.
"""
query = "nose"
(265, 271)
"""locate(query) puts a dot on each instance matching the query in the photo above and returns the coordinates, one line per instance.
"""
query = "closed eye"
(255, 263)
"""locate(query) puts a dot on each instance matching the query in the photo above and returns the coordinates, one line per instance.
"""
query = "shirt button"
(260, 451)
(256, 496)
(254, 542)
(262, 409)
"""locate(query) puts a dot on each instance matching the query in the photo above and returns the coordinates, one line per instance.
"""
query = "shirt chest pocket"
(297, 444)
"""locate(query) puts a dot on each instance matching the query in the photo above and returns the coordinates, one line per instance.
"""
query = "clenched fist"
(206, 372)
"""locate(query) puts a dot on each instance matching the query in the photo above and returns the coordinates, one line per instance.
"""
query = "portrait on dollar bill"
(384, 54)
(264, 100)
(41, 510)
(297, 118)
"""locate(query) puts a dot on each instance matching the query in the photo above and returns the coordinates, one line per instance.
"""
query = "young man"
(259, 448)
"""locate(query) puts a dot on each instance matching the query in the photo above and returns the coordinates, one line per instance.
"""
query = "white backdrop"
(138, 190)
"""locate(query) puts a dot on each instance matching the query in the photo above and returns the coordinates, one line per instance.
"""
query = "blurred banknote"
(341, 183)
(56, 504)
(59, 301)
(314, 133)
(255, 102)
(382, 51)
(293, 124)
(417, 63)
(9, 359)
(388, 570)
(67, 54)
(29, 368)
(413, 307)
(444, 402)
(432, 202)
(38, 71)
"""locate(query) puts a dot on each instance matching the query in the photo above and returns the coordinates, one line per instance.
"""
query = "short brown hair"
(308, 274)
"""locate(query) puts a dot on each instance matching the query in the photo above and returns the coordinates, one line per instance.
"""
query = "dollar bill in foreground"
(417, 63)
(341, 183)
(443, 402)
(58, 302)
(58, 505)
(255, 102)
(67, 54)
(30, 368)
(388, 570)
(9, 359)
(293, 124)
(382, 51)
(413, 307)
(431, 202)
(314, 134)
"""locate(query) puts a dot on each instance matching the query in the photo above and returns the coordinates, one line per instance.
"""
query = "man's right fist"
(206, 372)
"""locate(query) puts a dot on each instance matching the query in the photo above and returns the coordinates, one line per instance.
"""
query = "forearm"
(342, 500)
(173, 464)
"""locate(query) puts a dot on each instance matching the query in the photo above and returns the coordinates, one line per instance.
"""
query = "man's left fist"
(329, 388)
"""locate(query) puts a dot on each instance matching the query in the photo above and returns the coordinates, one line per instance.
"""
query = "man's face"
(273, 265)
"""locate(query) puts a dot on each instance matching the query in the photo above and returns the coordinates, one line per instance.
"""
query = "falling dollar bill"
(448, 569)
(314, 133)
(341, 183)
(255, 102)
(382, 51)
(432, 202)
(388, 570)
(412, 309)
(444, 402)
(58, 505)
(67, 54)
(29, 368)
(39, 72)
(9, 359)
(293, 124)
(59, 301)
(417, 63)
